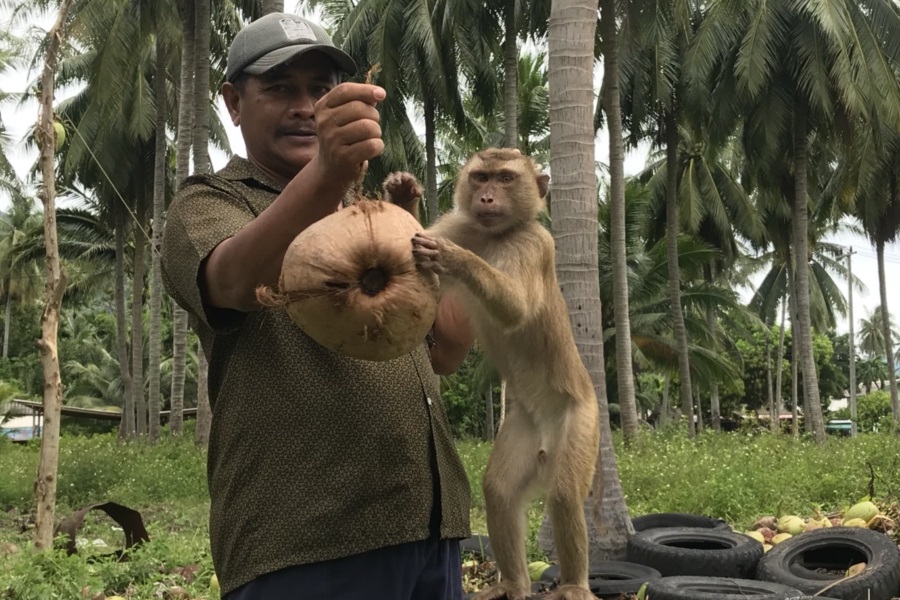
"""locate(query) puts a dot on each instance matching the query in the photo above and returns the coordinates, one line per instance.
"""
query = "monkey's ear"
(543, 183)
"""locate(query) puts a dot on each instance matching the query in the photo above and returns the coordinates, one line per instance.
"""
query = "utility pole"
(850, 340)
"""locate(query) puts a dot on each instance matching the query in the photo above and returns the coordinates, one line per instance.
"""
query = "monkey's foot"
(403, 189)
(570, 592)
(506, 590)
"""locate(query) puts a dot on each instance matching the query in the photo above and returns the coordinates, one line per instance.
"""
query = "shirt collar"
(241, 169)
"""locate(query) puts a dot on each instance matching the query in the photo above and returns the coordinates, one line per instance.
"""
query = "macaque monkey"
(494, 254)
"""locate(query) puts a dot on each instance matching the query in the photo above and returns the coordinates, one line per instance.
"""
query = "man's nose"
(303, 106)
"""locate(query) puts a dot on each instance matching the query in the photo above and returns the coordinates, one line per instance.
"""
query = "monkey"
(495, 254)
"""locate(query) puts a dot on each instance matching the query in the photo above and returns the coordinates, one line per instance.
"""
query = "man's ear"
(232, 97)
(543, 184)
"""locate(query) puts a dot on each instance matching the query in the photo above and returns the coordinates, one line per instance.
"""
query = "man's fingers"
(350, 91)
(357, 131)
(349, 113)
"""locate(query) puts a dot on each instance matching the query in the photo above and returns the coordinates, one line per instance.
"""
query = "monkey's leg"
(508, 481)
(568, 489)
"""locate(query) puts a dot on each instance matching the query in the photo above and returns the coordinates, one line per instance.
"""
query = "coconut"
(863, 510)
(855, 523)
(350, 282)
(777, 539)
(756, 535)
(791, 524)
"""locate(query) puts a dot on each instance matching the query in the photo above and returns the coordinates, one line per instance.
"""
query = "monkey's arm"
(453, 336)
(503, 297)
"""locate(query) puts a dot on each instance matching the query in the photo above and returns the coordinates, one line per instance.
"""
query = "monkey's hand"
(504, 590)
(570, 592)
(403, 190)
(428, 253)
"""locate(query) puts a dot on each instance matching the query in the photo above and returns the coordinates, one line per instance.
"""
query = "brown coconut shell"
(350, 282)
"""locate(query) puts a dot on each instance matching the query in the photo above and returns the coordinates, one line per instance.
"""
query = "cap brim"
(277, 57)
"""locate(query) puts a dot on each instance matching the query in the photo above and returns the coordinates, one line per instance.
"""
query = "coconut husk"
(350, 282)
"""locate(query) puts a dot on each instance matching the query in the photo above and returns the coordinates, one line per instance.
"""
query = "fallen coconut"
(536, 569)
(861, 510)
(791, 524)
(780, 538)
(756, 535)
(767, 547)
(350, 282)
(855, 523)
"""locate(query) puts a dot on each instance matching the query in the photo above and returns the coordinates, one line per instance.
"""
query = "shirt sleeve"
(205, 212)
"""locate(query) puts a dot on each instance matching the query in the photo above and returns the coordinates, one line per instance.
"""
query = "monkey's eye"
(506, 178)
(480, 177)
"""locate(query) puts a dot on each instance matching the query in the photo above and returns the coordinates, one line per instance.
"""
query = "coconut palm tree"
(871, 333)
(876, 203)
(800, 68)
(20, 280)
(610, 102)
(571, 35)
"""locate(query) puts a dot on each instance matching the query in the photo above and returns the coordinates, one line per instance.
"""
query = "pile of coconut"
(771, 531)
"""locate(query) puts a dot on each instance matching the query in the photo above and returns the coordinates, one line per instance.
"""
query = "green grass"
(735, 476)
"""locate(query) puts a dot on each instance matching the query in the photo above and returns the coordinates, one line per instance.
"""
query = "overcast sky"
(19, 119)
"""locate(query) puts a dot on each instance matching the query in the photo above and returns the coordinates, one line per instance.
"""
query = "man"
(329, 477)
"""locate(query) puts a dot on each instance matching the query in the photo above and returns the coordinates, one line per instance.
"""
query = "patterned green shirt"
(312, 455)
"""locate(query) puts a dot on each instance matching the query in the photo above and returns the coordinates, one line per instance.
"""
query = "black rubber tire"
(700, 552)
(611, 577)
(792, 562)
(477, 545)
(657, 520)
(716, 588)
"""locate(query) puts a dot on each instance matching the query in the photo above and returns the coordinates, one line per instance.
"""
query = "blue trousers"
(426, 570)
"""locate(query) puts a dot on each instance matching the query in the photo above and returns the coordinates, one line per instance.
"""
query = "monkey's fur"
(495, 254)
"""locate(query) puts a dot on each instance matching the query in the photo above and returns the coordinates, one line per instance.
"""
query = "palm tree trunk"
(572, 28)
(182, 170)
(204, 413)
(137, 320)
(128, 421)
(578, 19)
(502, 403)
(271, 6)
(664, 409)
(776, 425)
(159, 202)
(200, 126)
(795, 355)
(800, 219)
(681, 341)
(200, 143)
(699, 409)
(489, 413)
(770, 393)
(511, 76)
(6, 320)
(886, 331)
(45, 483)
(612, 109)
(431, 200)
(715, 411)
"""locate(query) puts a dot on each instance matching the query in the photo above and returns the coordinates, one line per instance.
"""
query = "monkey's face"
(275, 112)
(501, 193)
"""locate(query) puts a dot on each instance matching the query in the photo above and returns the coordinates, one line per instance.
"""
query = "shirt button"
(429, 400)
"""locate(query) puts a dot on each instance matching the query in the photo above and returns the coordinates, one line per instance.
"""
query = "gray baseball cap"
(276, 38)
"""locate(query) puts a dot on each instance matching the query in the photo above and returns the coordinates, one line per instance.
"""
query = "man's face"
(275, 112)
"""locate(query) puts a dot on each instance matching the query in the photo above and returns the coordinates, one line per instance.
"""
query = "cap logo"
(295, 30)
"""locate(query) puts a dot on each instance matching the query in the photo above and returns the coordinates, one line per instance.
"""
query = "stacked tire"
(706, 563)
